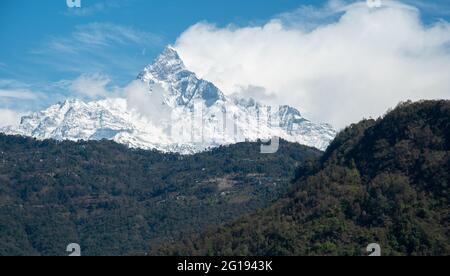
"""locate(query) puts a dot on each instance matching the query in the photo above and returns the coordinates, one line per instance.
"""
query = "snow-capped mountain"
(189, 116)
(183, 86)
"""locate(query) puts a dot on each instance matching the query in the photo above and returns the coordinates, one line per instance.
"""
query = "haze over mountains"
(169, 109)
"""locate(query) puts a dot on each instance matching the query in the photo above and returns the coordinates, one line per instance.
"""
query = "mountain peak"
(170, 59)
(182, 85)
(170, 52)
(167, 64)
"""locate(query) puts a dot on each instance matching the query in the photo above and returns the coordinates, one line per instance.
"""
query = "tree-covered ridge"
(117, 201)
(384, 181)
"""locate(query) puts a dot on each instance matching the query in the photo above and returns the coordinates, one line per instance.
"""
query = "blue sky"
(26, 28)
(45, 44)
(40, 40)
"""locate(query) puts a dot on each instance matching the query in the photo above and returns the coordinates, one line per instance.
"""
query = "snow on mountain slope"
(183, 86)
(200, 116)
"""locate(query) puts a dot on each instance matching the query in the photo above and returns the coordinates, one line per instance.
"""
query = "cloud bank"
(90, 86)
(150, 105)
(342, 64)
(16, 98)
(9, 117)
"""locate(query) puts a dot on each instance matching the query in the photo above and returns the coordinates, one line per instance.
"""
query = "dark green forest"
(113, 200)
(384, 181)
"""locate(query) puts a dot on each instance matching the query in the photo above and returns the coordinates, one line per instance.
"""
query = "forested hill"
(116, 201)
(384, 181)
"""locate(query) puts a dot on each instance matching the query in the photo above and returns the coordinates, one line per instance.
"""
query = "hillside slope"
(384, 181)
(116, 201)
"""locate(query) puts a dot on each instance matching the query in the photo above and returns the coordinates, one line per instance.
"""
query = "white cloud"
(150, 105)
(436, 7)
(108, 34)
(96, 47)
(358, 65)
(147, 100)
(22, 94)
(90, 85)
(254, 92)
(96, 36)
(9, 117)
(13, 89)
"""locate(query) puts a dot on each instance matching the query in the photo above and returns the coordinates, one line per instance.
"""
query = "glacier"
(199, 116)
